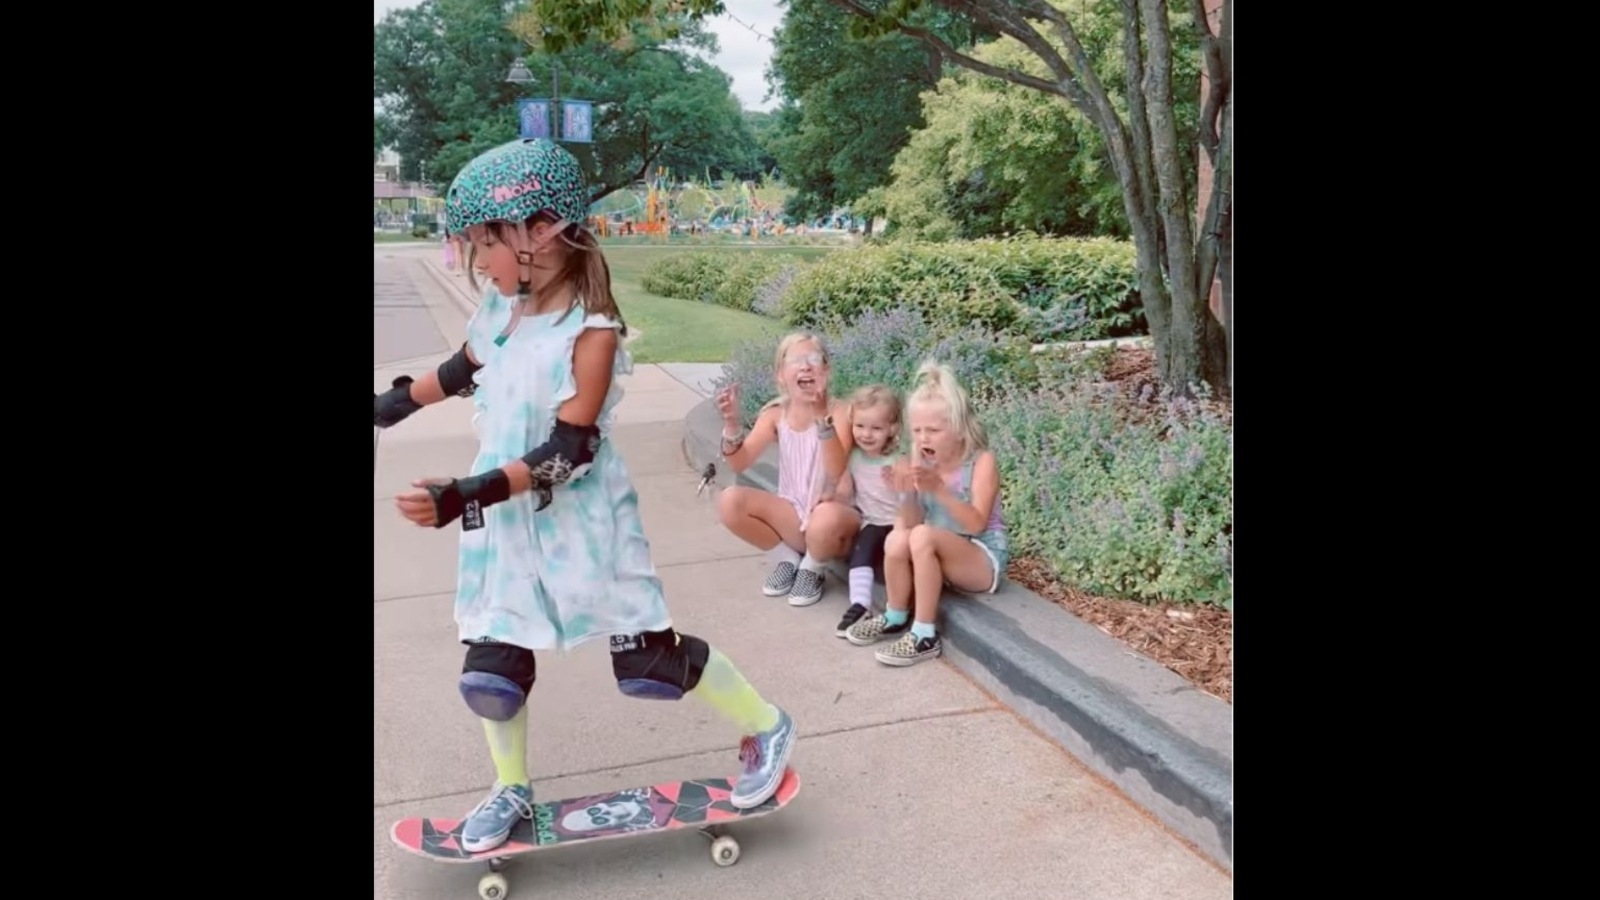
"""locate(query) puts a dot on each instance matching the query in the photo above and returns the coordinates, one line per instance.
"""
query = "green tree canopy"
(440, 68)
(848, 104)
(1178, 252)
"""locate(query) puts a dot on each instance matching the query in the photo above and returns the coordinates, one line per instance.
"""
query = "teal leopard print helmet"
(513, 183)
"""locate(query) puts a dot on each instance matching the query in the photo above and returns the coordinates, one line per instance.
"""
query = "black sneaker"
(781, 579)
(850, 617)
(807, 588)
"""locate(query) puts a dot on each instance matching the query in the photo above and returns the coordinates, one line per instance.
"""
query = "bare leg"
(759, 518)
(831, 530)
(937, 556)
(897, 581)
(770, 523)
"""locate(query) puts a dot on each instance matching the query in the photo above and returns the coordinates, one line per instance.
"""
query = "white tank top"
(877, 503)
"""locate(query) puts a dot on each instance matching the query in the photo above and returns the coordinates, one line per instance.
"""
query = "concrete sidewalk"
(915, 781)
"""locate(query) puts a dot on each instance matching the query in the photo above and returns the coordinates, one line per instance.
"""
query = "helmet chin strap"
(525, 272)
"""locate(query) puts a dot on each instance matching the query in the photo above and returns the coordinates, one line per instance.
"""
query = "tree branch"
(1173, 202)
(1217, 75)
(1139, 124)
(950, 53)
(1008, 20)
(644, 167)
(1089, 81)
(1219, 207)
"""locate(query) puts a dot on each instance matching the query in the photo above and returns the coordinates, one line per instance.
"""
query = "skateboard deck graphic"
(669, 806)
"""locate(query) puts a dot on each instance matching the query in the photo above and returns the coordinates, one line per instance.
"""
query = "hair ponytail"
(586, 267)
(935, 382)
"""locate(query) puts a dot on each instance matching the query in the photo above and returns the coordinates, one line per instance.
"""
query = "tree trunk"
(1145, 228)
(1185, 368)
(1225, 272)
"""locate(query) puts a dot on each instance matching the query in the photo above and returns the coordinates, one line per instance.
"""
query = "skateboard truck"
(706, 475)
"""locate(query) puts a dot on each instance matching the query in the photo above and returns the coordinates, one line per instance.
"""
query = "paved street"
(915, 782)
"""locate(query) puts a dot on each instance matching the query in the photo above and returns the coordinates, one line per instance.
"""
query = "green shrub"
(726, 279)
(1043, 289)
(1134, 510)
(685, 276)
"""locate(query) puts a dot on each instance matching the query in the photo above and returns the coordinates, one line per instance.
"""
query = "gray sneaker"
(489, 825)
(781, 580)
(766, 758)
(807, 588)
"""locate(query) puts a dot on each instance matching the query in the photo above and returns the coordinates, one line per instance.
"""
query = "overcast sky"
(744, 55)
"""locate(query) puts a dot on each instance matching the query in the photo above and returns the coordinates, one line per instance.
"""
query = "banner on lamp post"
(533, 119)
(577, 121)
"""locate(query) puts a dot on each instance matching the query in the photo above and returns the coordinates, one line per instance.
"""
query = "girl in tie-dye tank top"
(950, 530)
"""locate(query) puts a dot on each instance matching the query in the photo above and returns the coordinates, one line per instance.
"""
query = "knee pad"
(496, 678)
(658, 665)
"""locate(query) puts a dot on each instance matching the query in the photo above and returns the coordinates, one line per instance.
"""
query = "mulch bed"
(1194, 641)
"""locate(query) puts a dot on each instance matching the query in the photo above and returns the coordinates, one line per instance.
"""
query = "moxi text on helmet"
(500, 193)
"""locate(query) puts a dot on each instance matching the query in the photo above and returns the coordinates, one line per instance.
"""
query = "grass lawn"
(683, 330)
(400, 237)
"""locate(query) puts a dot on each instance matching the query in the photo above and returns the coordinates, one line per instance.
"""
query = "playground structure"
(663, 206)
(404, 210)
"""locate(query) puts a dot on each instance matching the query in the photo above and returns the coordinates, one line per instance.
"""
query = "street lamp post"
(570, 122)
(519, 74)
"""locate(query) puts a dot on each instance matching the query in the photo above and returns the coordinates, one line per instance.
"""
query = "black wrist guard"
(563, 458)
(466, 498)
(393, 406)
(455, 374)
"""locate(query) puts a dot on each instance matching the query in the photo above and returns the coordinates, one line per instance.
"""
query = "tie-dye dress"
(580, 568)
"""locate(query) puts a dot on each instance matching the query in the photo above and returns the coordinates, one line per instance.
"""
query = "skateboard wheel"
(725, 851)
(492, 886)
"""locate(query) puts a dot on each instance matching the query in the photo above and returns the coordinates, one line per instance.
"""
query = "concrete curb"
(1166, 745)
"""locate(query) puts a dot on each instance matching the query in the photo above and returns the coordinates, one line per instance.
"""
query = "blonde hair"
(936, 383)
(877, 395)
(584, 265)
(789, 342)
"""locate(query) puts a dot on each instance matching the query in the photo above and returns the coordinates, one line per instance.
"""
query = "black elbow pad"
(565, 457)
(455, 374)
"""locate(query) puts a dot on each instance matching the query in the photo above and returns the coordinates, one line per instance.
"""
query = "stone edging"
(1163, 743)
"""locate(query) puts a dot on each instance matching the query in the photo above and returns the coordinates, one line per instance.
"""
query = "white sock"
(811, 565)
(861, 586)
(783, 553)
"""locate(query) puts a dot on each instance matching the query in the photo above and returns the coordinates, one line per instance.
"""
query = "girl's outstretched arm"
(565, 456)
(453, 378)
(835, 449)
(741, 450)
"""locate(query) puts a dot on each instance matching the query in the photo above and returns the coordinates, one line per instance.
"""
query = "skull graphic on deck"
(624, 812)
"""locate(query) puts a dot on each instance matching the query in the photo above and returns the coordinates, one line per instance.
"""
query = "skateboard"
(669, 806)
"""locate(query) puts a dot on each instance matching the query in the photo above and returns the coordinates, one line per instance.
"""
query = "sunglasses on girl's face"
(810, 359)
